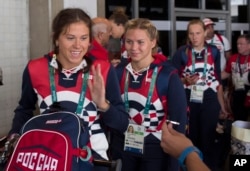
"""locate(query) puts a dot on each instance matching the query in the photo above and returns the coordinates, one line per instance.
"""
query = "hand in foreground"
(173, 142)
(192, 79)
(97, 88)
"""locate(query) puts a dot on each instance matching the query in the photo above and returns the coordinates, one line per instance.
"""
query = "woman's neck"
(199, 48)
(141, 65)
(66, 65)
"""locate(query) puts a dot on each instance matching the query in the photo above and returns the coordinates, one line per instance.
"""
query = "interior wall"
(89, 6)
(41, 16)
(41, 13)
(14, 56)
(25, 29)
(39, 28)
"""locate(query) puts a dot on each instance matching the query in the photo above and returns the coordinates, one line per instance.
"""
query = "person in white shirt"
(220, 41)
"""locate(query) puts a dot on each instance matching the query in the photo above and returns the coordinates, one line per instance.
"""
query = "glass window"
(215, 5)
(181, 38)
(187, 3)
(153, 9)
(164, 42)
(239, 11)
(110, 5)
(209, 4)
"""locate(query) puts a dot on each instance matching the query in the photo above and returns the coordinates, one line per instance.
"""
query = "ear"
(153, 43)
(100, 34)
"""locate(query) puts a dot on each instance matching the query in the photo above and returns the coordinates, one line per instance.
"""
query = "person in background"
(220, 41)
(118, 20)
(72, 37)
(198, 64)
(114, 50)
(238, 67)
(177, 144)
(101, 31)
(152, 92)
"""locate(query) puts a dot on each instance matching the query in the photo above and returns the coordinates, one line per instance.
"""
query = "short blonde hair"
(143, 24)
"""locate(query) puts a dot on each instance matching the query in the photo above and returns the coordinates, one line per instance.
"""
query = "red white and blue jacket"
(168, 98)
(36, 90)
(182, 60)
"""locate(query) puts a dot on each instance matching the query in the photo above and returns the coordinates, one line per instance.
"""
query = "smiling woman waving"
(76, 82)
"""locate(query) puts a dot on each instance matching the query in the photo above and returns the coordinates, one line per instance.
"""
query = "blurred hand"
(173, 142)
(224, 114)
(192, 79)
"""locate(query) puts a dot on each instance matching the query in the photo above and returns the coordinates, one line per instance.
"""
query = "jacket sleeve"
(26, 106)
(217, 57)
(177, 104)
(177, 59)
(176, 109)
(115, 117)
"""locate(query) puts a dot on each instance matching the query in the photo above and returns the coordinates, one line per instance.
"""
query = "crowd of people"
(139, 89)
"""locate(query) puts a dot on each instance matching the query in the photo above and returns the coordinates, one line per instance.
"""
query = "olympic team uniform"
(98, 51)
(68, 84)
(167, 102)
(223, 45)
(239, 66)
(204, 108)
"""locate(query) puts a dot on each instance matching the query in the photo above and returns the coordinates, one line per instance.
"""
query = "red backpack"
(52, 142)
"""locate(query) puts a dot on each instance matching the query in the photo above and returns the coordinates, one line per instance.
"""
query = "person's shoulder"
(40, 60)
(183, 47)
(168, 67)
(212, 47)
(121, 67)
(221, 35)
(222, 38)
(234, 56)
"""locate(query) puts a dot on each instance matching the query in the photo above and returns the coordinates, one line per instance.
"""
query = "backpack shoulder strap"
(220, 38)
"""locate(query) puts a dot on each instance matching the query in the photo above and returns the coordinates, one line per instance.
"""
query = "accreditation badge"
(134, 138)
(197, 93)
(239, 83)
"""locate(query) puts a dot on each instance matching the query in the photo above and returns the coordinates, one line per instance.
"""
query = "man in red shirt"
(101, 31)
(238, 67)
